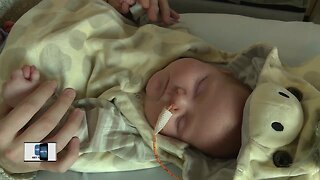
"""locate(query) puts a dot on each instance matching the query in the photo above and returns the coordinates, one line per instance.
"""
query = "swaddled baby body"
(113, 61)
(208, 103)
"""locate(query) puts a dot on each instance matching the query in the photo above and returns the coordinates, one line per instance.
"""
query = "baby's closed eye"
(200, 85)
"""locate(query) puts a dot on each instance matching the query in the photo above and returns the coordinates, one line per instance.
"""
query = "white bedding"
(297, 41)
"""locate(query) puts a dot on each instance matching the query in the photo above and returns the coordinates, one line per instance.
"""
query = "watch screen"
(43, 151)
(36, 149)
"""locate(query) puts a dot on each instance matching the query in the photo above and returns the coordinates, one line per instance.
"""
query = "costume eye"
(284, 94)
(200, 85)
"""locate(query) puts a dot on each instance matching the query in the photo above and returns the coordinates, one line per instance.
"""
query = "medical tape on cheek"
(163, 119)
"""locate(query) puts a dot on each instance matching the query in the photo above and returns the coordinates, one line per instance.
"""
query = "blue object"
(36, 149)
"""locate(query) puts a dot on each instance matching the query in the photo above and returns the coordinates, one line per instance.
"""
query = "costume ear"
(296, 92)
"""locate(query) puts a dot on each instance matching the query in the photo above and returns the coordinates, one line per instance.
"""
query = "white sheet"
(297, 41)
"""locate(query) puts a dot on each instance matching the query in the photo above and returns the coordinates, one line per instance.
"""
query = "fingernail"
(69, 92)
(77, 139)
(80, 111)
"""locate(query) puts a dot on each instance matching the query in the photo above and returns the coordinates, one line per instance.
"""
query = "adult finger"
(125, 8)
(165, 11)
(65, 159)
(49, 120)
(131, 2)
(4, 131)
(172, 19)
(153, 10)
(24, 111)
(68, 130)
(144, 3)
(4, 110)
(116, 4)
(174, 14)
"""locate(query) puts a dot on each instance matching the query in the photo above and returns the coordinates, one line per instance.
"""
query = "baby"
(208, 103)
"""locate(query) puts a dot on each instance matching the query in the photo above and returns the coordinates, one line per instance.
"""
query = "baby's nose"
(179, 101)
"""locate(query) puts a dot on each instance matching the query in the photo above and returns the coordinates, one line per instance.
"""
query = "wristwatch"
(139, 15)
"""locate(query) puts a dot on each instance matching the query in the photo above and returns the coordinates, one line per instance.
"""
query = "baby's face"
(208, 104)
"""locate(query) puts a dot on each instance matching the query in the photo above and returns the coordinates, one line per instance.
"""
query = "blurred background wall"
(286, 10)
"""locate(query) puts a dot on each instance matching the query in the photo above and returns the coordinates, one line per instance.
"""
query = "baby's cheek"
(170, 130)
(152, 86)
(150, 111)
(156, 84)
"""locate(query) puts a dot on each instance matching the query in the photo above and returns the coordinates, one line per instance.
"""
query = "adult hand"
(121, 6)
(154, 8)
(13, 132)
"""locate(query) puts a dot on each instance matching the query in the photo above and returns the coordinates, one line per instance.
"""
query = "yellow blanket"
(87, 45)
